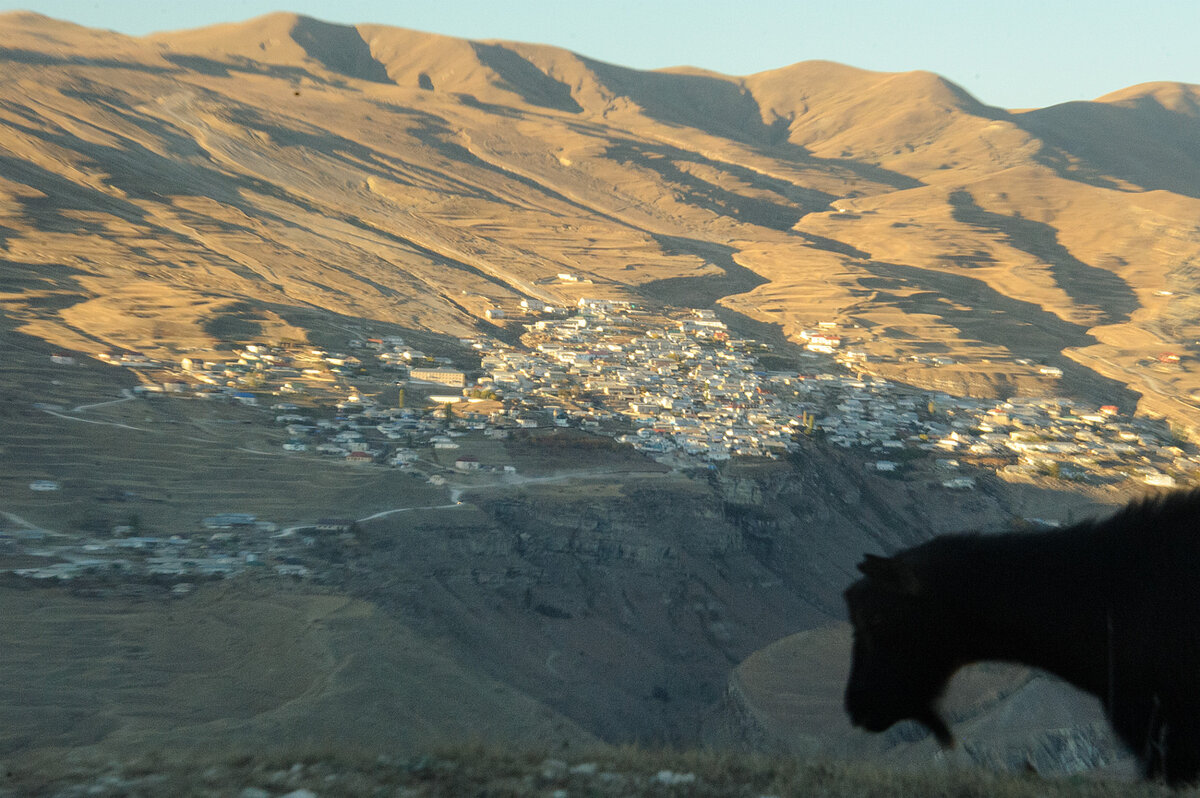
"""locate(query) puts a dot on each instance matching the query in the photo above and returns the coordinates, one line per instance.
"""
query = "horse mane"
(1168, 515)
(1151, 523)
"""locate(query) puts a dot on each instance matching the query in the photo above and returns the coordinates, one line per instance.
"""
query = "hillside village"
(674, 385)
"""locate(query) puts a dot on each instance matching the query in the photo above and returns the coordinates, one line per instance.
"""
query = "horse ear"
(891, 574)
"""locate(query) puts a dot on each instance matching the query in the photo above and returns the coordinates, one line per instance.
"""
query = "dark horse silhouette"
(1111, 606)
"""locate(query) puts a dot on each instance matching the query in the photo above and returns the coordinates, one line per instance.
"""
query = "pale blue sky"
(1010, 53)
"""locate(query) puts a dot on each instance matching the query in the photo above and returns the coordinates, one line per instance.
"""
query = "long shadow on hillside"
(700, 292)
(833, 245)
(328, 328)
(1022, 328)
(141, 173)
(723, 108)
(522, 77)
(1108, 295)
(438, 138)
(667, 162)
(192, 172)
(238, 322)
(1144, 144)
(50, 212)
(237, 63)
(785, 353)
(43, 291)
(35, 58)
(30, 278)
(355, 156)
(715, 105)
(138, 172)
(339, 48)
(178, 61)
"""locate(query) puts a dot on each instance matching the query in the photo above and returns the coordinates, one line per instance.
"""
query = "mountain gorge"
(283, 175)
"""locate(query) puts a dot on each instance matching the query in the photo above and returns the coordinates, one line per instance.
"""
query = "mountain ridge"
(424, 180)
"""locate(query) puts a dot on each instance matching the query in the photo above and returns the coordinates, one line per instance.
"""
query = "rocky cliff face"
(625, 604)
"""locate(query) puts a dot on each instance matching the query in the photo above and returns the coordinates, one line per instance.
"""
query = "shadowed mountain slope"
(1144, 137)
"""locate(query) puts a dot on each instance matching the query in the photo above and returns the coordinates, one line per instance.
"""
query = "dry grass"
(474, 769)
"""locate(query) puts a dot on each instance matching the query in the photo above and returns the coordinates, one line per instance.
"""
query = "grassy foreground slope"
(477, 770)
(241, 666)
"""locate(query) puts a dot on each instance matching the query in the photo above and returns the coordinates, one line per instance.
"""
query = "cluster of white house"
(691, 389)
(1021, 435)
(681, 386)
(365, 432)
(257, 369)
(230, 543)
(686, 389)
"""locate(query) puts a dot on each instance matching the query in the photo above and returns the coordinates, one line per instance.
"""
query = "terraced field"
(246, 181)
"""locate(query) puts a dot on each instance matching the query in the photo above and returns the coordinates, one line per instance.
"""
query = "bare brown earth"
(265, 179)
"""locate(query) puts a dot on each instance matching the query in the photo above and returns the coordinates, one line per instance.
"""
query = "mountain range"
(284, 176)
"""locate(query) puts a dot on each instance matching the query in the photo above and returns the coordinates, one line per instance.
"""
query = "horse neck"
(1037, 600)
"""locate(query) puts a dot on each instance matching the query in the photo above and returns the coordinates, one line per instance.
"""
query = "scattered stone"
(672, 779)
(614, 780)
(299, 794)
(254, 792)
(554, 769)
(213, 774)
(108, 785)
(585, 769)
